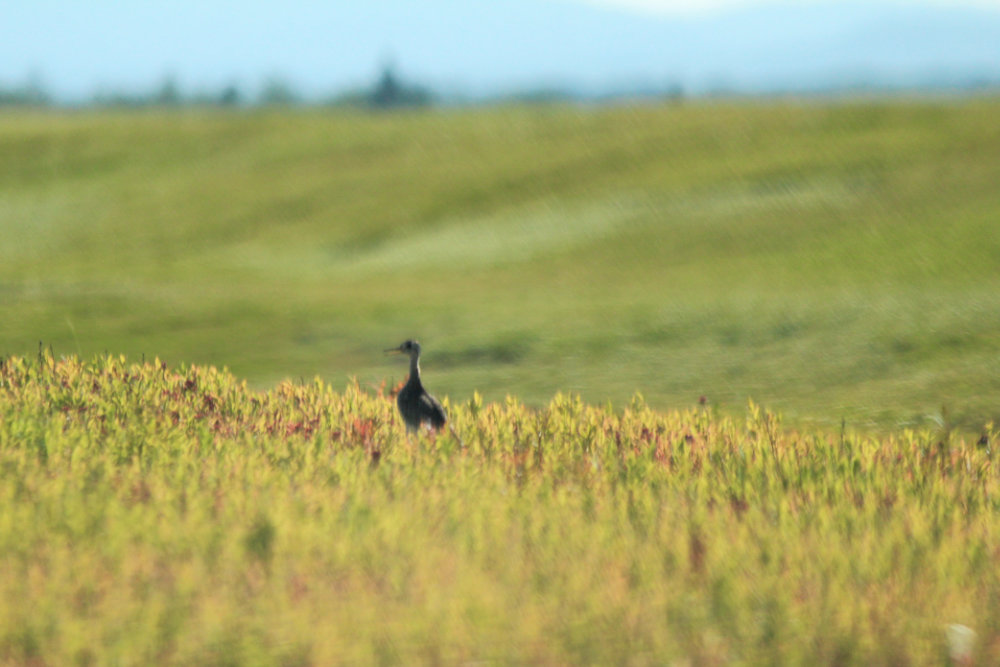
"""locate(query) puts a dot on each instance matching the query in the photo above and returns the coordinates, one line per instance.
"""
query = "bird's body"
(416, 406)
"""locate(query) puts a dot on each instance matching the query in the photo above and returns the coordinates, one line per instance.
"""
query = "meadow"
(726, 376)
(152, 514)
(831, 260)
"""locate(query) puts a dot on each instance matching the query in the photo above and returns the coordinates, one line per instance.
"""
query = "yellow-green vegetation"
(829, 259)
(152, 514)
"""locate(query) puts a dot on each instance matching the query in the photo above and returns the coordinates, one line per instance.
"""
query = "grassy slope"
(160, 515)
(828, 260)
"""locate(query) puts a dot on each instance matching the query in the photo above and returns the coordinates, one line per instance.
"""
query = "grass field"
(152, 514)
(579, 278)
(829, 260)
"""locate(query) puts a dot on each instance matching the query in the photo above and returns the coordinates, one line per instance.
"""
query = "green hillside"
(829, 260)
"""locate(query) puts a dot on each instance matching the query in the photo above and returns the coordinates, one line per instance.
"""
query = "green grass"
(159, 515)
(829, 260)
(835, 262)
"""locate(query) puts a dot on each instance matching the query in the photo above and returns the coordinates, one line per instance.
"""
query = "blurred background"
(697, 201)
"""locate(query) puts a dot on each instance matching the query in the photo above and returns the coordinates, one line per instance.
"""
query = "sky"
(675, 6)
(701, 6)
(75, 49)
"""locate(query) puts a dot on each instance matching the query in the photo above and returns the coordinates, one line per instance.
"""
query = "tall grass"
(159, 514)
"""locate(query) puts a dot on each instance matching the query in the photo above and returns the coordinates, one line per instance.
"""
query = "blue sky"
(75, 49)
(697, 6)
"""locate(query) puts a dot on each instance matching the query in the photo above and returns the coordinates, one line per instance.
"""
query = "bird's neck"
(415, 369)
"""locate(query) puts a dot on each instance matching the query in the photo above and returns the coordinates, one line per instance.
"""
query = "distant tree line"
(168, 94)
(29, 94)
(388, 91)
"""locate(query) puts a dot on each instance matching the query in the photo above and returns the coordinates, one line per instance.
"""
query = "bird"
(416, 406)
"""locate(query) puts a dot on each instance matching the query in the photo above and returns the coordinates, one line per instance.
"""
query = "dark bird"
(415, 405)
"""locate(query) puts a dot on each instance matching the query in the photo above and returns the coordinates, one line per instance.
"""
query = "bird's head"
(410, 347)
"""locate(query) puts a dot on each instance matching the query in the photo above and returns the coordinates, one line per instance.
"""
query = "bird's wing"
(434, 411)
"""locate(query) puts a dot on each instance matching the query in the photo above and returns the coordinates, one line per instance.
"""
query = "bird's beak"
(394, 350)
